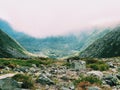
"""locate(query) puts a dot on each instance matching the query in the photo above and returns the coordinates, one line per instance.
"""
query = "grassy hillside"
(9, 47)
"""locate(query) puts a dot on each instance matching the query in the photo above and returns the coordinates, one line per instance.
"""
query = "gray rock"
(94, 88)
(71, 86)
(9, 84)
(7, 68)
(43, 67)
(32, 69)
(22, 69)
(43, 79)
(118, 76)
(54, 71)
(34, 65)
(1, 72)
(47, 73)
(78, 65)
(110, 64)
(65, 78)
(65, 88)
(112, 80)
(97, 74)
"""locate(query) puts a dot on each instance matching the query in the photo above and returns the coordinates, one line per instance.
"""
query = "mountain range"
(55, 46)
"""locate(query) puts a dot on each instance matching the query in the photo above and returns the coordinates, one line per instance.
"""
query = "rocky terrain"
(68, 74)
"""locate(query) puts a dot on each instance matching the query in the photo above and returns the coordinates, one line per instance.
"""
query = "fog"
(42, 18)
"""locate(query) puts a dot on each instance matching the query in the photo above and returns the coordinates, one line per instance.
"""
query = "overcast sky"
(43, 18)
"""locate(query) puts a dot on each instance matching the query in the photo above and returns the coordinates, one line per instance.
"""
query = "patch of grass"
(101, 67)
(28, 83)
(11, 62)
(90, 79)
(67, 64)
(96, 64)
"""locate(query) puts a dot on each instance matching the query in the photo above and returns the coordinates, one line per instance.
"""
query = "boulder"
(32, 69)
(9, 84)
(7, 68)
(34, 65)
(22, 69)
(110, 64)
(97, 74)
(78, 65)
(112, 80)
(43, 79)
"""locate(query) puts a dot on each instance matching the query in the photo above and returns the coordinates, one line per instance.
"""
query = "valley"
(55, 46)
(86, 61)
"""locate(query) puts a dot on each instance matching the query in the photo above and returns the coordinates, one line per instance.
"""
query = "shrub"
(91, 61)
(27, 80)
(94, 66)
(101, 67)
(67, 64)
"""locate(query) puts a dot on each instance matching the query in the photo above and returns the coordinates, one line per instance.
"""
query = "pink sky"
(41, 18)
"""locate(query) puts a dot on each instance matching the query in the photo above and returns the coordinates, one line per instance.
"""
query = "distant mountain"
(9, 48)
(105, 47)
(57, 46)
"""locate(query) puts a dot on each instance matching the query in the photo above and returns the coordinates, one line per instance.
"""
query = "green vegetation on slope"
(11, 62)
(9, 47)
(105, 47)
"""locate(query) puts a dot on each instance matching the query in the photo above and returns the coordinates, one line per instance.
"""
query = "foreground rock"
(77, 64)
(97, 74)
(112, 80)
(9, 84)
(43, 79)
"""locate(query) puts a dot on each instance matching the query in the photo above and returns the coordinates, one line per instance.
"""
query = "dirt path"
(7, 75)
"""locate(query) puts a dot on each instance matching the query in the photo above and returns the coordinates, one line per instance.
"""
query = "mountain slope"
(10, 48)
(107, 46)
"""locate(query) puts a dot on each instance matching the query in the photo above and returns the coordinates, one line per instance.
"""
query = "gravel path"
(7, 75)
